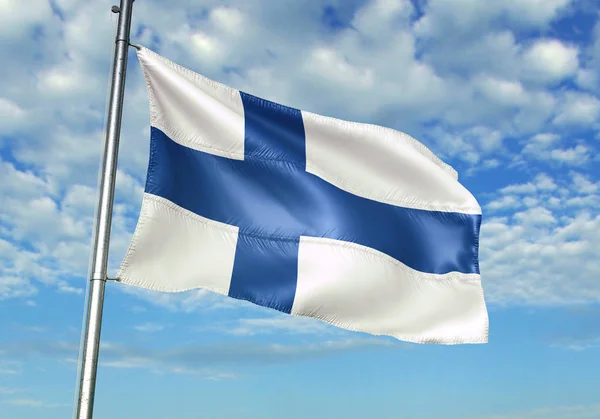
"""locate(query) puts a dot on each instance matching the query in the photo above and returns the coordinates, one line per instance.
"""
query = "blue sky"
(506, 91)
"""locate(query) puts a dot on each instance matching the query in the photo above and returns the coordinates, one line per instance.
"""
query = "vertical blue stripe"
(265, 271)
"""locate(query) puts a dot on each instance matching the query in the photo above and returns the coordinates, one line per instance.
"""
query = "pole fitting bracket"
(102, 278)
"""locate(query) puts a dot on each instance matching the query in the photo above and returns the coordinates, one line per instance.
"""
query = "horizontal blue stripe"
(273, 200)
(270, 199)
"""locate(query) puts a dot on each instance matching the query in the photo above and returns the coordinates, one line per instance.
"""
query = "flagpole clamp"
(97, 277)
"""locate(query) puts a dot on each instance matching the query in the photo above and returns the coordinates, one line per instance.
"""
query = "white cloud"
(587, 79)
(535, 216)
(209, 360)
(589, 76)
(12, 287)
(151, 364)
(544, 182)
(15, 20)
(327, 63)
(578, 344)
(378, 18)
(545, 253)
(229, 19)
(57, 80)
(465, 16)
(206, 46)
(11, 114)
(549, 60)
(473, 54)
(36, 403)
(546, 147)
(21, 270)
(545, 138)
(583, 185)
(505, 202)
(280, 324)
(535, 12)
(525, 188)
(54, 224)
(186, 302)
(490, 164)
(506, 92)
(470, 145)
(574, 155)
(22, 184)
(578, 109)
(149, 327)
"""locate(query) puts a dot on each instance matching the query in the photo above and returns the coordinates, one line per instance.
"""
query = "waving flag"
(358, 225)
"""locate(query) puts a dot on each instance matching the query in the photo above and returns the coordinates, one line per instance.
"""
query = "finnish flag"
(357, 225)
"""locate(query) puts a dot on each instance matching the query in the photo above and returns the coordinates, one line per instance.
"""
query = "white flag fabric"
(357, 225)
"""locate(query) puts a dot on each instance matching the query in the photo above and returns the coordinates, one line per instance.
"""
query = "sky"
(505, 91)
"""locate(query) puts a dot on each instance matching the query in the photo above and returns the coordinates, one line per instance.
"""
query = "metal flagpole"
(91, 340)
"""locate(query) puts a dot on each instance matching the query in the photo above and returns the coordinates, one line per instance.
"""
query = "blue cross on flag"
(358, 225)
